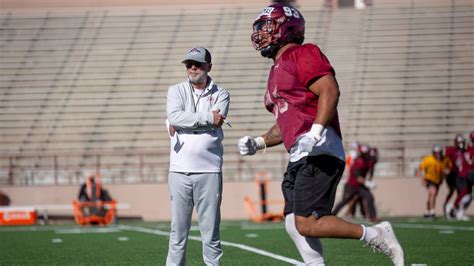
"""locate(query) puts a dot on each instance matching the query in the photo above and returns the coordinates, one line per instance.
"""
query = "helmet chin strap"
(270, 51)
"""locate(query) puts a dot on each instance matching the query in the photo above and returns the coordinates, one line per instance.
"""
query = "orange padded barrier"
(18, 216)
(89, 213)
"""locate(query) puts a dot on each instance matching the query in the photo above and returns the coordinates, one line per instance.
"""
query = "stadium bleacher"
(85, 89)
(414, 81)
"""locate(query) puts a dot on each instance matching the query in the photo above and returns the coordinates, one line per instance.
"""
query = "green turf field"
(438, 242)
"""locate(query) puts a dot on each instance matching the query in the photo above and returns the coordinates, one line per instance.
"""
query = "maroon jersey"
(450, 151)
(460, 159)
(359, 168)
(471, 154)
(288, 97)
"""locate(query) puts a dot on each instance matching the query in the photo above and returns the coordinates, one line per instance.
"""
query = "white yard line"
(87, 230)
(224, 243)
(69, 230)
(24, 229)
(262, 252)
(433, 227)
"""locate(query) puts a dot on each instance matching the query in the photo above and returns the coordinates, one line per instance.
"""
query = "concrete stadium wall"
(394, 197)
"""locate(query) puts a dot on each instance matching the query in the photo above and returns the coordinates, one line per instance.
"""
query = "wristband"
(260, 144)
(317, 130)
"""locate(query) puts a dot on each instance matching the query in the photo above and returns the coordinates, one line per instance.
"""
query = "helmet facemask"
(437, 152)
(265, 37)
(460, 142)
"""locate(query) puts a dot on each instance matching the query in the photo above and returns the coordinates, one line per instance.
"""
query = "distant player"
(369, 182)
(355, 189)
(461, 164)
(302, 93)
(450, 178)
(432, 170)
(470, 150)
(373, 160)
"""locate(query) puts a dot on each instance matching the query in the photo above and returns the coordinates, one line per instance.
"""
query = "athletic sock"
(364, 231)
(368, 233)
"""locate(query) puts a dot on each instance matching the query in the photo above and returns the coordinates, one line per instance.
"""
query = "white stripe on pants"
(203, 190)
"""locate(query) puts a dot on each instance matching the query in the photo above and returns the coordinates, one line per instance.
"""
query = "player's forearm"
(273, 136)
(327, 105)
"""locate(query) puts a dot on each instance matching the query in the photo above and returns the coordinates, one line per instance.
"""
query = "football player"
(461, 162)
(432, 170)
(302, 93)
(450, 152)
(356, 190)
(470, 149)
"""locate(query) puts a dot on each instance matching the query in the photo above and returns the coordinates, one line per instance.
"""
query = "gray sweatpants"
(203, 190)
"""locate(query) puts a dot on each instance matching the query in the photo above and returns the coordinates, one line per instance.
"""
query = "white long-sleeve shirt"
(196, 147)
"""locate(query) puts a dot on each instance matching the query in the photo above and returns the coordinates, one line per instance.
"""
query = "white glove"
(311, 138)
(316, 131)
(249, 146)
(370, 184)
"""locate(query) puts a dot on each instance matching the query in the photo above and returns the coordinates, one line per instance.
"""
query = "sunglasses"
(190, 64)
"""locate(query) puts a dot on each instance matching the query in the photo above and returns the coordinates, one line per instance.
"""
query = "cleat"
(460, 216)
(463, 218)
(449, 211)
(387, 243)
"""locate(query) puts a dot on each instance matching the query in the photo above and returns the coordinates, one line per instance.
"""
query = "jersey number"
(281, 105)
(291, 12)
